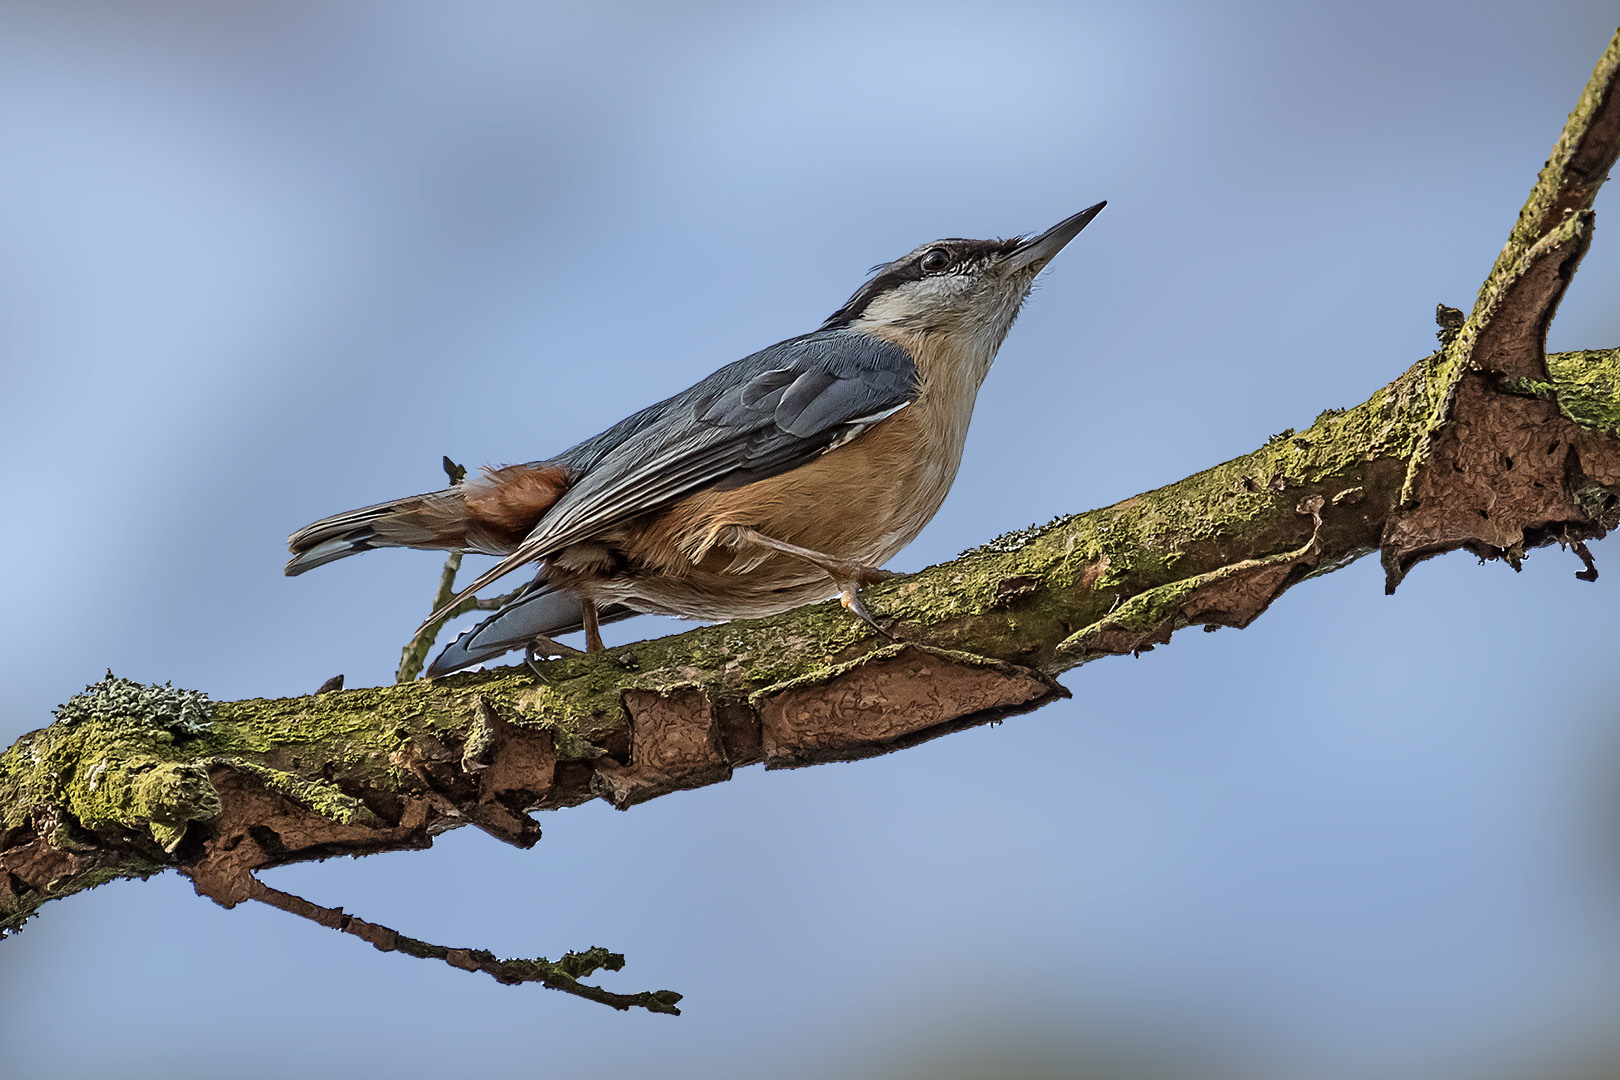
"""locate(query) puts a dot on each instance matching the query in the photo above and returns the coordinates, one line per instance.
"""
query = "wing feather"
(756, 418)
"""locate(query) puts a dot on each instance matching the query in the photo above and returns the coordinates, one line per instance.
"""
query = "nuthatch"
(782, 479)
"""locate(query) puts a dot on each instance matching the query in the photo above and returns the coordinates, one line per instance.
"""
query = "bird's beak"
(1037, 251)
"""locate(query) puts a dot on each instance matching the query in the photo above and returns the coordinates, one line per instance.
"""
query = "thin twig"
(563, 974)
(414, 656)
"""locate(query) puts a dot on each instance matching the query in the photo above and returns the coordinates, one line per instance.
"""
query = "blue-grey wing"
(756, 418)
(761, 416)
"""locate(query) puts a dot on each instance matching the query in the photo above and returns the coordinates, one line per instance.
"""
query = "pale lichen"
(124, 701)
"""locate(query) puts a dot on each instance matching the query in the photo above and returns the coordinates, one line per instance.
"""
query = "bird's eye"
(935, 260)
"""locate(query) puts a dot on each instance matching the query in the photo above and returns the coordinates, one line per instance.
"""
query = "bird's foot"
(869, 575)
(849, 595)
(850, 577)
(541, 648)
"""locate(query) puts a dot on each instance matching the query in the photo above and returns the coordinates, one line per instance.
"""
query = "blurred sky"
(263, 262)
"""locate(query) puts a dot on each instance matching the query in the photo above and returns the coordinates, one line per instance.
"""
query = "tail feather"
(492, 513)
(435, 520)
(541, 610)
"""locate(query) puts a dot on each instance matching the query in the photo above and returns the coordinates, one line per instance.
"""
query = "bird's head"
(967, 290)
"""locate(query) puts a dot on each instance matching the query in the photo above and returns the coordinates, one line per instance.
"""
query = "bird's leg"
(593, 625)
(840, 570)
(850, 577)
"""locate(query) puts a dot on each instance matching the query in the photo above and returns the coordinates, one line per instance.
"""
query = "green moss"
(325, 799)
(1554, 185)
(1587, 384)
(1149, 610)
(170, 796)
(1145, 540)
(288, 742)
(105, 769)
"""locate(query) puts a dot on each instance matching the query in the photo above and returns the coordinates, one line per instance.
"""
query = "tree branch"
(561, 974)
(1488, 446)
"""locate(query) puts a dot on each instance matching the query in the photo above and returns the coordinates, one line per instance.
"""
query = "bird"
(785, 478)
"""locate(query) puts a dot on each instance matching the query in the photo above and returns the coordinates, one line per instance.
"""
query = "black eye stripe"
(888, 276)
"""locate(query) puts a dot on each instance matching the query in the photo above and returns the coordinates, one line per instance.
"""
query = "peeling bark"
(1488, 446)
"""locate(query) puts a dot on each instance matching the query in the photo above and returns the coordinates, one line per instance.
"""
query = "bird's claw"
(542, 647)
(532, 662)
(849, 595)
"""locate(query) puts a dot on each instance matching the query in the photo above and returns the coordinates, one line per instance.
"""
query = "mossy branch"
(1488, 445)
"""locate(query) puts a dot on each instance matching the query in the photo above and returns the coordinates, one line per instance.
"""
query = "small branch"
(414, 656)
(563, 974)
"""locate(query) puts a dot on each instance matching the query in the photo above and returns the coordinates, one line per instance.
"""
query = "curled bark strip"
(892, 698)
(1504, 477)
(1513, 316)
(1234, 595)
(675, 743)
(514, 767)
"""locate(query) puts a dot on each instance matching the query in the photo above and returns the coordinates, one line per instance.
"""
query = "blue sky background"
(264, 262)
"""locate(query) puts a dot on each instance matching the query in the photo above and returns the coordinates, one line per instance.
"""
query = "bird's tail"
(541, 610)
(435, 520)
(491, 512)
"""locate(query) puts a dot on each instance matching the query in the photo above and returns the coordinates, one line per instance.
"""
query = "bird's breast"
(862, 502)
